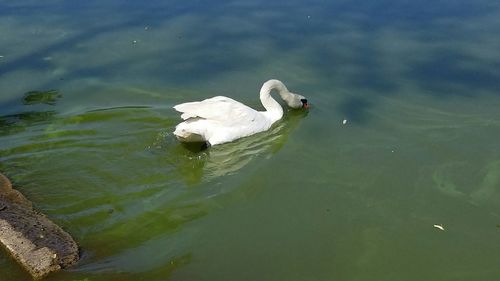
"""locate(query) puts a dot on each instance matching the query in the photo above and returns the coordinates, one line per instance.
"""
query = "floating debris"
(344, 121)
(146, 28)
(439, 226)
(1, 57)
(134, 41)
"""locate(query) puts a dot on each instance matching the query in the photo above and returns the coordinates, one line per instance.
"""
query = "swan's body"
(221, 119)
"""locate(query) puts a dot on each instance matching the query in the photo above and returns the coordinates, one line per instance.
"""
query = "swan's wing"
(217, 108)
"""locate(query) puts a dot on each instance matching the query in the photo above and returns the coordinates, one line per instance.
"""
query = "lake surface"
(86, 122)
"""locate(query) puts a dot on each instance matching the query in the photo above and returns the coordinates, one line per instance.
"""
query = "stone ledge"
(37, 243)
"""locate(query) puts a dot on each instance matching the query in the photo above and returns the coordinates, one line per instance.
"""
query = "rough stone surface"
(38, 244)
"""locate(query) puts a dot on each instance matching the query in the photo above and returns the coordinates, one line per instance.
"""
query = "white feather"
(439, 226)
(222, 119)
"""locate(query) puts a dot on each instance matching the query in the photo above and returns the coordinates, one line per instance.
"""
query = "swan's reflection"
(196, 164)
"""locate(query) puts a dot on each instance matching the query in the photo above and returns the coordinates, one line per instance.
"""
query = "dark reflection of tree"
(18, 122)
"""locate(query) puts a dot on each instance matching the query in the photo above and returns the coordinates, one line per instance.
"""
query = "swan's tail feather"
(213, 108)
(189, 109)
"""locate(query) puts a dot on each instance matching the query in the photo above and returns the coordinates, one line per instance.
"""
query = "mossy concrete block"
(37, 243)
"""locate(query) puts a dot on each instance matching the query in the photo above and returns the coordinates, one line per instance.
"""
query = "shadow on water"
(380, 49)
(74, 12)
(192, 58)
(451, 73)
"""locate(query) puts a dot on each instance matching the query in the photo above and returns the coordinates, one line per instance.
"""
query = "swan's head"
(296, 101)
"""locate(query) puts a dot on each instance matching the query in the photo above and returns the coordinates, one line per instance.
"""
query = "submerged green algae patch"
(29, 116)
(41, 97)
(19, 122)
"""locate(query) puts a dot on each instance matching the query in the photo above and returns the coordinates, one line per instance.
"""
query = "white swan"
(221, 119)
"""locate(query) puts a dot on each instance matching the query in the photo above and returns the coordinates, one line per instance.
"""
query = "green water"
(86, 121)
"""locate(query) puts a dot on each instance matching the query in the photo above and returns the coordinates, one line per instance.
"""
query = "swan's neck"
(273, 109)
